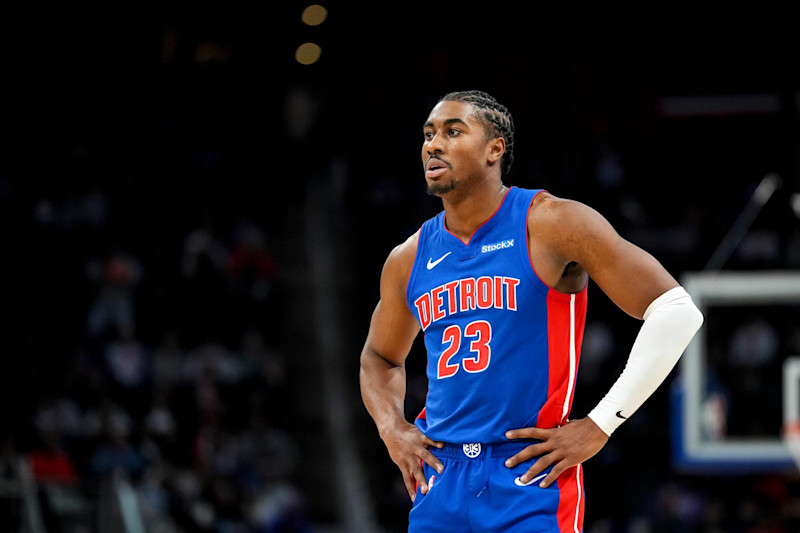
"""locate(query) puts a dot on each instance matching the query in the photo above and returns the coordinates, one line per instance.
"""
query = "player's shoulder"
(567, 225)
(548, 200)
(549, 209)
(401, 259)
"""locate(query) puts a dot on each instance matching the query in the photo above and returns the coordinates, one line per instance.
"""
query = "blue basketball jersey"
(503, 347)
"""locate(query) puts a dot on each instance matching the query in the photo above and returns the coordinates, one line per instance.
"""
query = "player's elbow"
(372, 360)
(676, 312)
(688, 319)
(691, 315)
(697, 317)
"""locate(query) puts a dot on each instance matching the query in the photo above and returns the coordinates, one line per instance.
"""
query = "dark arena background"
(196, 205)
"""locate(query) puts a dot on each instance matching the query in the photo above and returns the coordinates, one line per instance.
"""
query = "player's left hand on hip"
(563, 447)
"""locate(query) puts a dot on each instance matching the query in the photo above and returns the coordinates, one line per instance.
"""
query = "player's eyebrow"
(447, 122)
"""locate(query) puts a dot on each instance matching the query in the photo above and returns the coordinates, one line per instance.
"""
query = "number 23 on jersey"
(479, 335)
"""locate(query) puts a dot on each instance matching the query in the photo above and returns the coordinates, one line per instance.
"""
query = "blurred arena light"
(308, 53)
(796, 204)
(719, 105)
(314, 15)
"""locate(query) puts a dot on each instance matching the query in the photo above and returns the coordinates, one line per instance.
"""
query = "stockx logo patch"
(502, 245)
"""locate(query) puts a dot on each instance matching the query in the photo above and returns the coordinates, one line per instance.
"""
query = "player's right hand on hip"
(409, 448)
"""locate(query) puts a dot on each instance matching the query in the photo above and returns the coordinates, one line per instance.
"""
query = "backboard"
(738, 384)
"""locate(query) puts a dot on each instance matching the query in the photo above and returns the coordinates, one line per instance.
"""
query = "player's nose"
(434, 145)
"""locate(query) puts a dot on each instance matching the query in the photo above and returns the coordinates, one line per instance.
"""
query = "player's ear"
(495, 149)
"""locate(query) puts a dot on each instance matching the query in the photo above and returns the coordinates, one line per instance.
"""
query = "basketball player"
(498, 282)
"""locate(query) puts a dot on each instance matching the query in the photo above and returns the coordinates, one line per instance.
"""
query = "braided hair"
(495, 118)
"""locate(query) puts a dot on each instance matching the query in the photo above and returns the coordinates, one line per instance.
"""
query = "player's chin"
(441, 188)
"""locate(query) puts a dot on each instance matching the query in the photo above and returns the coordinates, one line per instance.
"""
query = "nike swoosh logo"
(519, 483)
(619, 414)
(432, 264)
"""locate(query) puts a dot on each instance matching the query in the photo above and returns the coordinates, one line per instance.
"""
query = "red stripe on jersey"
(566, 315)
(570, 500)
(422, 414)
(558, 336)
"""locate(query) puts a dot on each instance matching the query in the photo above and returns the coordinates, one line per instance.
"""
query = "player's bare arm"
(568, 241)
(383, 377)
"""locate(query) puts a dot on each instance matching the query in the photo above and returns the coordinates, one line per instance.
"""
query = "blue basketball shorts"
(476, 492)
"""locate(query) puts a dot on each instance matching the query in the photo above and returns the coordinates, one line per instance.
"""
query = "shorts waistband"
(476, 450)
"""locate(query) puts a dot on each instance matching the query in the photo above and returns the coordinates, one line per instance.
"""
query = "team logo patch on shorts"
(472, 450)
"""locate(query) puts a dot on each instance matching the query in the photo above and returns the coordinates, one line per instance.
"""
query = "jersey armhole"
(528, 262)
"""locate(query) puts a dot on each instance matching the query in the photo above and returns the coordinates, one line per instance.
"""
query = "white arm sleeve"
(670, 322)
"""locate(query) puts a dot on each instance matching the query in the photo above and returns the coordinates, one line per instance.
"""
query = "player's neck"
(467, 212)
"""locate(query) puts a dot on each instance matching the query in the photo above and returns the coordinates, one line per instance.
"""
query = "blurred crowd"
(146, 302)
(190, 408)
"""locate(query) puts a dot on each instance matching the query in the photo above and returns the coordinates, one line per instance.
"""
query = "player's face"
(454, 148)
